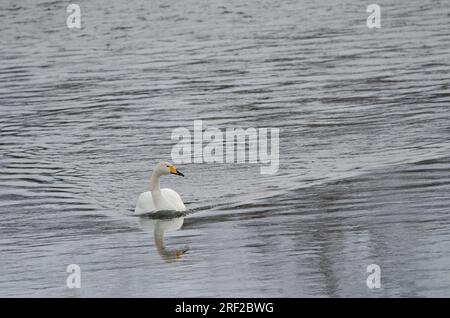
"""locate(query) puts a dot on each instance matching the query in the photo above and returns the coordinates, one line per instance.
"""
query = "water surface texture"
(364, 174)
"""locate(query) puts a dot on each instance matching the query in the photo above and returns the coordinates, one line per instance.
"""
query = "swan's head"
(167, 168)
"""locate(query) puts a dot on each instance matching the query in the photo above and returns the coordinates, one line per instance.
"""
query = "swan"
(160, 199)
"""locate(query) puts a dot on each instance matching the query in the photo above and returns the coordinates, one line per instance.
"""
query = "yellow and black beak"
(174, 170)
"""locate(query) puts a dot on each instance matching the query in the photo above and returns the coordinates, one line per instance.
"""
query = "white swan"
(160, 199)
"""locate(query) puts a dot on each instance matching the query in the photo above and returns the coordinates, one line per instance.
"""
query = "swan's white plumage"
(144, 203)
(160, 199)
(172, 201)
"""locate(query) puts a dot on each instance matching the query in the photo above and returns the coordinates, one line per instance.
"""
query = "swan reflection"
(159, 226)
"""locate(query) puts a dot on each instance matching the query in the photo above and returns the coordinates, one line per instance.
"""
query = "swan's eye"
(167, 166)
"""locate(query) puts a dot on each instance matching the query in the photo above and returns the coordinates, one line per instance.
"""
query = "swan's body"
(169, 200)
(160, 199)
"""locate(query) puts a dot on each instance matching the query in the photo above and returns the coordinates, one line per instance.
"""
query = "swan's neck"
(154, 183)
(156, 191)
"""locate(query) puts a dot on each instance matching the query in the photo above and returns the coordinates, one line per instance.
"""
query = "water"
(364, 148)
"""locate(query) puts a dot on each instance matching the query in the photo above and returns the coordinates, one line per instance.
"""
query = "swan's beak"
(174, 170)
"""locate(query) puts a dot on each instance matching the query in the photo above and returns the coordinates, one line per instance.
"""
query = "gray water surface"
(364, 174)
